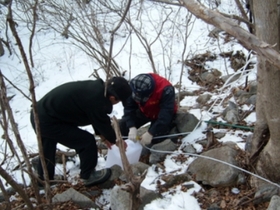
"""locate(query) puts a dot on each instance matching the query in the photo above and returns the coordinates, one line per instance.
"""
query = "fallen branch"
(59, 154)
(134, 182)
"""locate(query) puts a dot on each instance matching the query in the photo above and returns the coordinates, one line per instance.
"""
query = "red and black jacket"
(160, 107)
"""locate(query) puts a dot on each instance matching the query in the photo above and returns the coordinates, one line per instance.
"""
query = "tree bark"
(268, 96)
(265, 43)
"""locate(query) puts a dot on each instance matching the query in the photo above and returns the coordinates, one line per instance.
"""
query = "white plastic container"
(133, 152)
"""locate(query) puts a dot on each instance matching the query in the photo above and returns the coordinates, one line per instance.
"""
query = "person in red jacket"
(66, 108)
(152, 100)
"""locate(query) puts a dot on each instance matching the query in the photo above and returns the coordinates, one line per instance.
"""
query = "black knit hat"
(120, 88)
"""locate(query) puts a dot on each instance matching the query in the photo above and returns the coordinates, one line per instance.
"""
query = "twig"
(112, 37)
(17, 187)
(11, 83)
(242, 202)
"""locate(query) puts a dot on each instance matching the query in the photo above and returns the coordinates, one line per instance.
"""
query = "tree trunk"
(266, 44)
(266, 135)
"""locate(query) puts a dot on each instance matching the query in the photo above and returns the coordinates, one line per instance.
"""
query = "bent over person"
(152, 100)
(71, 105)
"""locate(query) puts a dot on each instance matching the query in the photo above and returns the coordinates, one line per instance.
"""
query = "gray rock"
(78, 198)
(120, 199)
(231, 105)
(253, 85)
(210, 78)
(230, 113)
(252, 100)
(166, 145)
(180, 96)
(203, 142)
(188, 149)
(243, 98)
(90, 193)
(232, 116)
(203, 99)
(214, 173)
(147, 196)
(219, 135)
(185, 121)
(274, 203)
(116, 173)
(237, 92)
(137, 169)
(265, 193)
(204, 75)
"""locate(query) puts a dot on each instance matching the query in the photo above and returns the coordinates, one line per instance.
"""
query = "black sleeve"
(165, 117)
(130, 112)
(105, 130)
(101, 123)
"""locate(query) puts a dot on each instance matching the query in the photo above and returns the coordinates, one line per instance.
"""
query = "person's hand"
(146, 138)
(132, 133)
(108, 144)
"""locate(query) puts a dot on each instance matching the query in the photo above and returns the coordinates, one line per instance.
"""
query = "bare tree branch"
(240, 19)
(18, 138)
(167, 2)
(113, 34)
(11, 83)
(82, 24)
(243, 13)
(34, 11)
(17, 188)
(6, 195)
(247, 39)
(145, 43)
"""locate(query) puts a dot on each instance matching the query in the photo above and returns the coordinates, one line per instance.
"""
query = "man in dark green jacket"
(67, 107)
